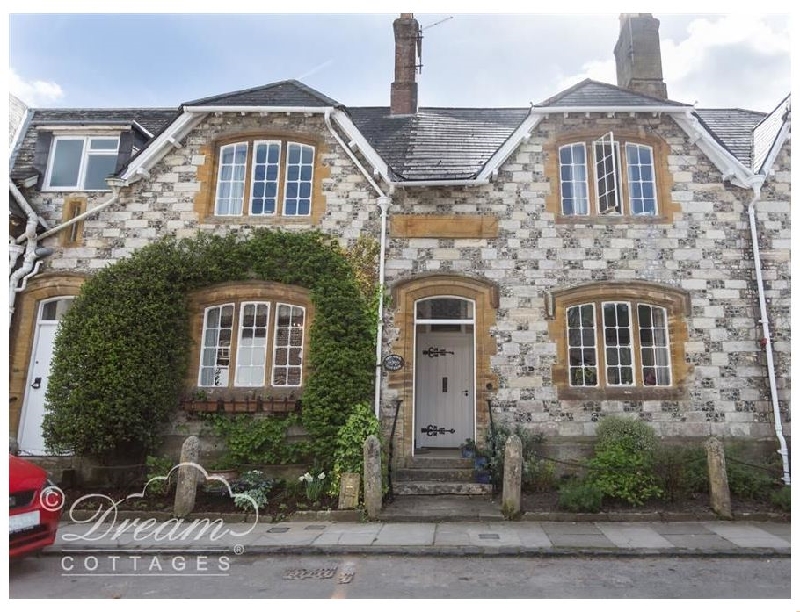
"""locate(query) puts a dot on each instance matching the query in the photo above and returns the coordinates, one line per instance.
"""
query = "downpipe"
(29, 252)
(784, 452)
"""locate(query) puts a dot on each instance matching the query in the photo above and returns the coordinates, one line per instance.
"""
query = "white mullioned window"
(248, 351)
(582, 346)
(230, 179)
(251, 354)
(604, 337)
(81, 162)
(574, 181)
(641, 179)
(287, 364)
(281, 177)
(609, 171)
(619, 343)
(266, 172)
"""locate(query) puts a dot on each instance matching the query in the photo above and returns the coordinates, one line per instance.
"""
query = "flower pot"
(480, 463)
(467, 453)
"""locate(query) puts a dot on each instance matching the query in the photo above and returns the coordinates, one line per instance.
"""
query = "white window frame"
(604, 140)
(641, 182)
(631, 346)
(288, 347)
(253, 162)
(86, 152)
(667, 347)
(573, 182)
(232, 145)
(582, 348)
(240, 328)
(285, 194)
(216, 346)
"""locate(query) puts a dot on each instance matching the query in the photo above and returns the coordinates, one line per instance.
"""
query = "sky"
(469, 59)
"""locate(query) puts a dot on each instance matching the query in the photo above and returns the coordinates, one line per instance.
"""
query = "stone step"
(437, 474)
(432, 462)
(432, 487)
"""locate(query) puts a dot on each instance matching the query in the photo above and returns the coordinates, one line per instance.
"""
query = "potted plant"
(468, 448)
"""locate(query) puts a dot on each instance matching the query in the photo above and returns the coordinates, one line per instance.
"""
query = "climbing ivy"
(121, 351)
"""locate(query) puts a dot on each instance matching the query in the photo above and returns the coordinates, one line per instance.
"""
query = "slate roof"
(151, 119)
(733, 129)
(283, 93)
(594, 93)
(437, 143)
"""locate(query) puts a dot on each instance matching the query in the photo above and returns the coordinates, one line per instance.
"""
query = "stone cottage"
(605, 251)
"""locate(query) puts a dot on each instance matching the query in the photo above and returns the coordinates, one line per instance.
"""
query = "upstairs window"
(623, 175)
(81, 163)
(265, 178)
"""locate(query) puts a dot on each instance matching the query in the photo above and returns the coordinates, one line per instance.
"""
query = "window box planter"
(243, 406)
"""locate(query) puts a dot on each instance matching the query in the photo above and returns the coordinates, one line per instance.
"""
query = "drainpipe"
(756, 185)
(112, 198)
(30, 250)
(383, 204)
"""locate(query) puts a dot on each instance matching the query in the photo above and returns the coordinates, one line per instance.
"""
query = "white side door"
(444, 393)
(29, 438)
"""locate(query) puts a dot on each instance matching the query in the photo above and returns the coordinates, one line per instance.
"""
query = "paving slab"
(581, 541)
(286, 534)
(782, 530)
(571, 529)
(748, 536)
(406, 534)
(683, 528)
(491, 535)
(530, 535)
(709, 542)
(629, 536)
(352, 534)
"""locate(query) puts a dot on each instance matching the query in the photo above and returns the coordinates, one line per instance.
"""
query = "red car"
(34, 507)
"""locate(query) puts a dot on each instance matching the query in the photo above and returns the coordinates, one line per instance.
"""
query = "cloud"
(34, 93)
(726, 61)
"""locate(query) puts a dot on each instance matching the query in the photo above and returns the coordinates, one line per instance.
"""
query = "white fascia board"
(730, 167)
(321, 110)
(442, 183)
(142, 129)
(355, 136)
(159, 147)
(554, 110)
(86, 128)
(510, 145)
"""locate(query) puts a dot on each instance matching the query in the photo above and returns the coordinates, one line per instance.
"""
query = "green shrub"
(538, 475)
(681, 471)
(782, 498)
(623, 464)
(159, 467)
(748, 481)
(257, 440)
(255, 485)
(580, 496)
(349, 453)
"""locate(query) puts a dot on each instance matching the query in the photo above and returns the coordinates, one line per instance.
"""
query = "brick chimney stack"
(638, 55)
(404, 88)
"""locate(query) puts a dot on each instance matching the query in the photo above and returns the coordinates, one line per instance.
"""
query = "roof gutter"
(756, 184)
(384, 202)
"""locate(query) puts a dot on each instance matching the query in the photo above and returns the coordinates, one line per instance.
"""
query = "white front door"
(444, 388)
(29, 437)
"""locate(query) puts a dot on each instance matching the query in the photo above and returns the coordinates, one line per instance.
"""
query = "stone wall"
(702, 247)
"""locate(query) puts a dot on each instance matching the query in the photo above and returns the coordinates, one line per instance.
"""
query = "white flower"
(321, 476)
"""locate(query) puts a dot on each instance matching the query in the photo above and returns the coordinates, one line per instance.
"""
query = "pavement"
(458, 538)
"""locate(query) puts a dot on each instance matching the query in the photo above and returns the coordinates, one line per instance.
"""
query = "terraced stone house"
(607, 250)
